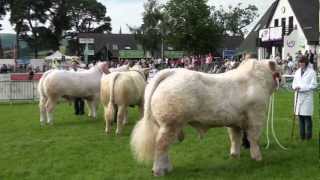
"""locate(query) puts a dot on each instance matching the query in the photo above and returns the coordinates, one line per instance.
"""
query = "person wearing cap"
(78, 101)
(304, 83)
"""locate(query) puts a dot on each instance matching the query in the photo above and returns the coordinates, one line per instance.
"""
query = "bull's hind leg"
(253, 137)
(235, 136)
(108, 120)
(43, 112)
(122, 110)
(165, 137)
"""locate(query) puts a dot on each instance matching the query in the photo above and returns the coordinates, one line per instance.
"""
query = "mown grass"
(77, 148)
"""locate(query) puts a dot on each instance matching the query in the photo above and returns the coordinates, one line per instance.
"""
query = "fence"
(27, 90)
(18, 90)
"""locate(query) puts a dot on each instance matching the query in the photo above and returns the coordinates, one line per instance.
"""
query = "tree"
(3, 10)
(236, 19)
(29, 18)
(46, 23)
(86, 16)
(150, 33)
(191, 26)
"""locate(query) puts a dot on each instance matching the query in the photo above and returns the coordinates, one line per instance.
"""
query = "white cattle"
(175, 97)
(60, 83)
(120, 90)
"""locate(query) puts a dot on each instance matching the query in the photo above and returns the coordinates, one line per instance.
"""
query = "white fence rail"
(18, 90)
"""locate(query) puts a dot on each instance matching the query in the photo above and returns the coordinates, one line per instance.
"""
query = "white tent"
(58, 56)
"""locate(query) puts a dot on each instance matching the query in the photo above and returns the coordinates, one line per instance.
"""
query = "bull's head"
(276, 73)
(103, 67)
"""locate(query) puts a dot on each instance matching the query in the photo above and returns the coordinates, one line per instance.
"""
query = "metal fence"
(18, 90)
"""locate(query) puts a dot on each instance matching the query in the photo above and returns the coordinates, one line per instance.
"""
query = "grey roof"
(231, 42)
(307, 13)
(102, 41)
(250, 43)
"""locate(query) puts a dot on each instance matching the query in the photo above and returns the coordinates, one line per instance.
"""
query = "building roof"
(307, 14)
(106, 41)
(250, 43)
(231, 42)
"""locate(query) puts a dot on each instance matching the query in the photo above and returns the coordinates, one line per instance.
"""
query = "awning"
(131, 54)
(173, 54)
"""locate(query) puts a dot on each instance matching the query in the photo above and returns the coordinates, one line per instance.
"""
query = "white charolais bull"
(61, 83)
(175, 97)
(120, 90)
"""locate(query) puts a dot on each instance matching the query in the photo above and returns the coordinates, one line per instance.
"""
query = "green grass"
(77, 148)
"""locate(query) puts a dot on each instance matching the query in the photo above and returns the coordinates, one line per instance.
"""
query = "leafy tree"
(191, 26)
(235, 19)
(3, 10)
(86, 16)
(29, 18)
(150, 33)
(43, 24)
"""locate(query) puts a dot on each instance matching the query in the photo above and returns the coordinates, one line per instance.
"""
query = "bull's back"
(128, 89)
(193, 96)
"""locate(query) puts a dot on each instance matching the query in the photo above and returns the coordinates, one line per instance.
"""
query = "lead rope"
(271, 103)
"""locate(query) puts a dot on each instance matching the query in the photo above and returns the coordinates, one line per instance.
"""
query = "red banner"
(25, 76)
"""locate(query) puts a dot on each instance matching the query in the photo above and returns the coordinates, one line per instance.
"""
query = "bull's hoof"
(161, 172)
(118, 133)
(235, 156)
(108, 132)
(258, 158)
(42, 124)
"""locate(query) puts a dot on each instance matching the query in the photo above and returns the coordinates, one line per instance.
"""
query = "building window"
(290, 24)
(276, 22)
(115, 47)
(283, 25)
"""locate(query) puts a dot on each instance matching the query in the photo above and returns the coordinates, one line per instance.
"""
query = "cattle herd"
(172, 99)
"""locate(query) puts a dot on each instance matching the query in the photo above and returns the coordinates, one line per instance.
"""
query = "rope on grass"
(271, 103)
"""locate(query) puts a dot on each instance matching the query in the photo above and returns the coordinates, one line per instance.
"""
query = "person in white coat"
(304, 83)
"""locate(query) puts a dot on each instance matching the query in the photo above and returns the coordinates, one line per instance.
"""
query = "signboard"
(131, 54)
(89, 52)
(86, 40)
(275, 33)
(264, 34)
(23, 61)
(228, 53)
(173, 54)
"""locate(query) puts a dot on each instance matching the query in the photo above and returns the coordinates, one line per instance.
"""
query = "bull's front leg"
(235, 136)
(92, 108)
(253, 137)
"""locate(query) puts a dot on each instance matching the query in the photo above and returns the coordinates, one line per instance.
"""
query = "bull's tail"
(143, 137)
(111, 104)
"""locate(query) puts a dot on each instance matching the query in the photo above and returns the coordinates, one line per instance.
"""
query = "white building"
(287, 27)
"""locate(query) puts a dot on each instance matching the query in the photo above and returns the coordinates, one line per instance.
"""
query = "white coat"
(304, 98)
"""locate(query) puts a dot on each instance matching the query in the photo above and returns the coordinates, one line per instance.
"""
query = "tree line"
(189, 25)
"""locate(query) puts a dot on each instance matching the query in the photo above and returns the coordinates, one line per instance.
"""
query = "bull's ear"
(272, 65)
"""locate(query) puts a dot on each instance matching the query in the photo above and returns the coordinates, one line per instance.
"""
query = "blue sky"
(129, 12)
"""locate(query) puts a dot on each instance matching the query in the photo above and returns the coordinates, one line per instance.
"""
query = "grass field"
(77, 148)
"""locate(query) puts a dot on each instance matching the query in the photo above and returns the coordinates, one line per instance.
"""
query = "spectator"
(31, 74)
